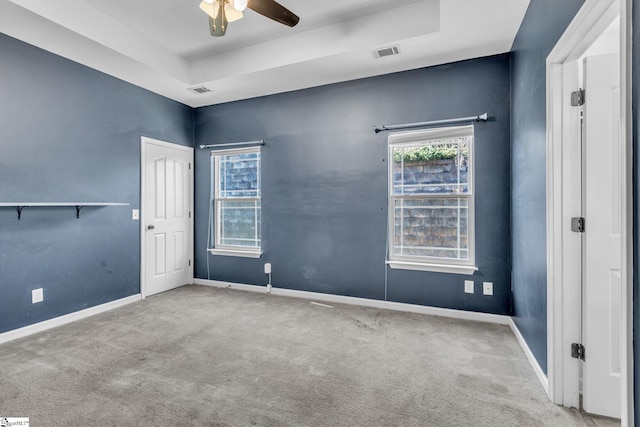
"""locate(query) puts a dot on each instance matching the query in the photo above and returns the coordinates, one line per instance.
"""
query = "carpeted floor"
(217, 357)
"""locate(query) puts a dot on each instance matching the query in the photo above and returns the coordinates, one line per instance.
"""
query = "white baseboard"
(67, 318)
(532, 359)
(387, 305)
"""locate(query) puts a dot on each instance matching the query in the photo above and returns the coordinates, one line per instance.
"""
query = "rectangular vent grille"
(387, 51)
(199, 89)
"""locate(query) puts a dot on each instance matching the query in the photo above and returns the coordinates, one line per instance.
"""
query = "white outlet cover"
(135, 214)
(37, 296)
(487, 288)
(468, 287)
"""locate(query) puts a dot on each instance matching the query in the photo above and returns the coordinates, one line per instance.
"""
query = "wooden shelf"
(18, 206)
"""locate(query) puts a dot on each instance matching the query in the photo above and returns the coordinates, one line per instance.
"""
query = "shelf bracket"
(19, 209)
(78, 207)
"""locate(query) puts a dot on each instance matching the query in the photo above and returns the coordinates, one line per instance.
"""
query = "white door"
(166, 216)
(602, 194)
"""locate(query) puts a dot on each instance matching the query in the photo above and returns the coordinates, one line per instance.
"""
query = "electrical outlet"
(37, 296)
(267, 268)
(487, 288)
(468, 287)
(135, 214)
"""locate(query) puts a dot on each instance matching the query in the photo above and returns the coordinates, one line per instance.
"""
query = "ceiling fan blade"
(274, 10)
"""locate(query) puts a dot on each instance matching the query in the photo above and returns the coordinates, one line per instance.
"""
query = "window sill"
(438, 268)
(230, 252)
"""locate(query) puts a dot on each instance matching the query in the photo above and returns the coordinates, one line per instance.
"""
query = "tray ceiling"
(165, 46)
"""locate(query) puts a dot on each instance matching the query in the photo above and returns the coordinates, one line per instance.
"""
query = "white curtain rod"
(384, 128)
(233, 144)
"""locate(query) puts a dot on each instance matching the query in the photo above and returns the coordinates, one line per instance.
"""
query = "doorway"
(166, 226)
(589, 215)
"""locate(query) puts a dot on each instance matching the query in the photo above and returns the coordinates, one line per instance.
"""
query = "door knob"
(150, 227)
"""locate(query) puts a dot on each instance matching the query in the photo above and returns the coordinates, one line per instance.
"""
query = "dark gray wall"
(70, 133)
(635, 88)
(324, 178)
(543, 25)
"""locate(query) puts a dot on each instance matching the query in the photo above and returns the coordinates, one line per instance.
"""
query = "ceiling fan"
(221, 12)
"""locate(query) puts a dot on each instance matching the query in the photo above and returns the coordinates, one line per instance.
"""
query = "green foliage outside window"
(431, 152)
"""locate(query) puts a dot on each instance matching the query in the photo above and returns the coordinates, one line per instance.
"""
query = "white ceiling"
(165, 46)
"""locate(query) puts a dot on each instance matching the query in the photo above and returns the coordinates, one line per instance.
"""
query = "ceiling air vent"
(385, 51)
(199, 89)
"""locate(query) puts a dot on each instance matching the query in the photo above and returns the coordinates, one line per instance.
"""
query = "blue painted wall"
(70, 133)
(324, 183)
(635, 89)
(543, 25)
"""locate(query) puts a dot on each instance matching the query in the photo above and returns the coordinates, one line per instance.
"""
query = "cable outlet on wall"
(135, 214)
(37, 296)
(487, 288)
(468, 287)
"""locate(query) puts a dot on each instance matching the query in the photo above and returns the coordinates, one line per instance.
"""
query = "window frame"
(426, 263)
(227, 249)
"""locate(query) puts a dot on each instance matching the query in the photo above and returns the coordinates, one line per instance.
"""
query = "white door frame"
(563, 202)
(144, 142)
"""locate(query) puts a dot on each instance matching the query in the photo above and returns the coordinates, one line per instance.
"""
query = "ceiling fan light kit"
(221, 12)
(214, 9)
(240, 5)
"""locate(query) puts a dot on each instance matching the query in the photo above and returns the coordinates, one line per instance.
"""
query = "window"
(431, 200)
(236, 200)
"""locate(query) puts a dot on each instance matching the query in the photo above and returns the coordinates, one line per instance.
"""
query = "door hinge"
(577, 98)
(577, 224)
(189, 214)
(577, 351)
(189, 166)
(189, 263)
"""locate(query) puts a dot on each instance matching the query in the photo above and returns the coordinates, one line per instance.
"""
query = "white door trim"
(563, 266)
(144, 141)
